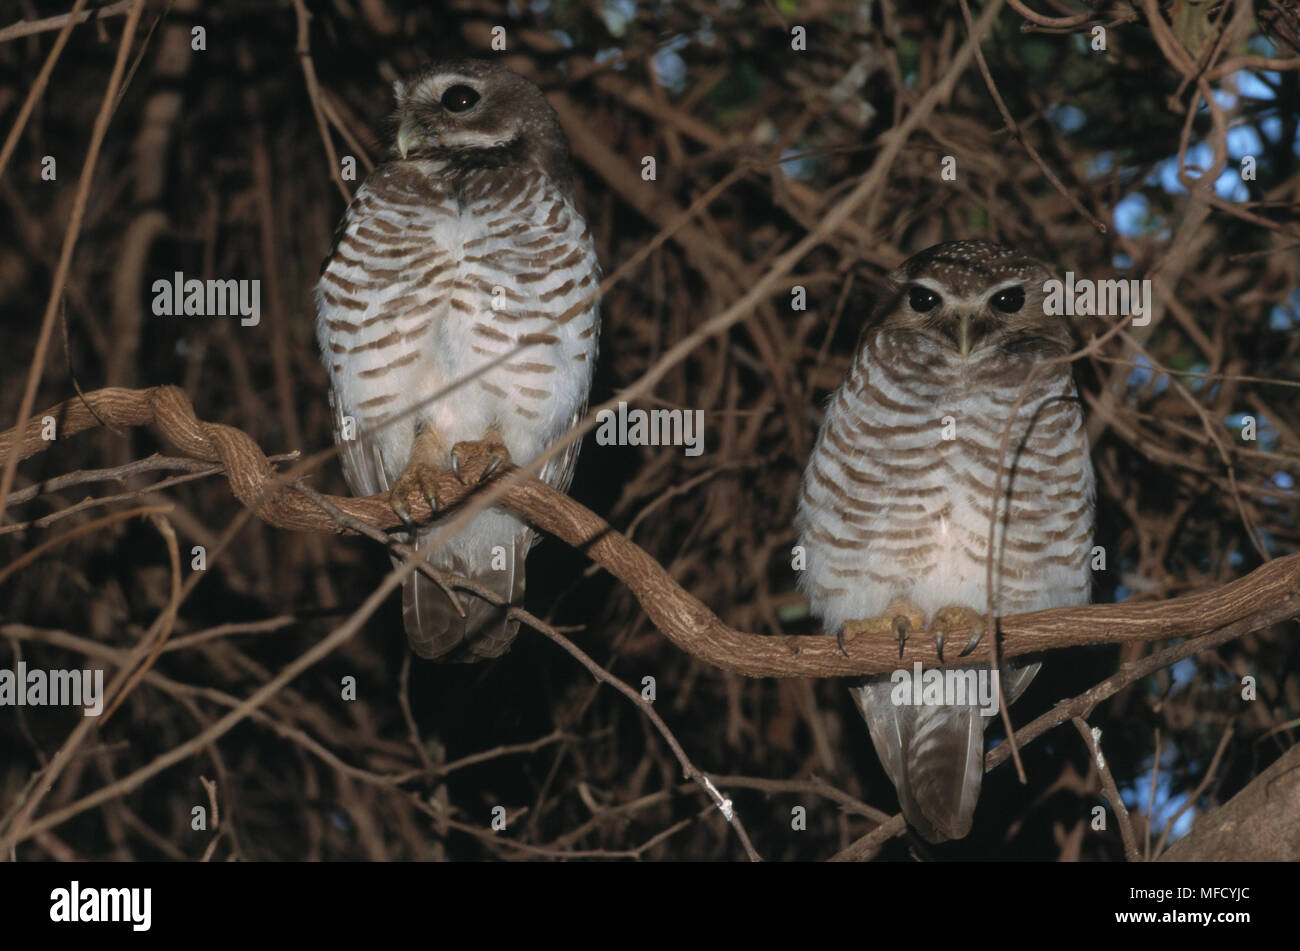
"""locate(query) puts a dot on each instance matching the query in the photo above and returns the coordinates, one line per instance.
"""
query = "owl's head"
(471, 109)
(975, 298)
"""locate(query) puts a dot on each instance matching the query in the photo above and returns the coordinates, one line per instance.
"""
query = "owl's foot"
(899, 620)
(475, 460)
(903, 618)
(902, 627)
(416, 477)
(956, 618)
(420, 473)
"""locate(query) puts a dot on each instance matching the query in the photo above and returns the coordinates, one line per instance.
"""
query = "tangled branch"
(1266, 596)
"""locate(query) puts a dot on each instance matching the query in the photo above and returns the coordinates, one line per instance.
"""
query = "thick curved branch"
(1259, 824)
(1268, 595)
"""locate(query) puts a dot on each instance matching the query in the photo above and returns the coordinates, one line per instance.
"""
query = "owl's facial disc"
(977, 301)
(968, 322)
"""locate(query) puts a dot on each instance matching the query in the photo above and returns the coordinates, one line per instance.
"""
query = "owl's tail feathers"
(437, 631)
(934, 755)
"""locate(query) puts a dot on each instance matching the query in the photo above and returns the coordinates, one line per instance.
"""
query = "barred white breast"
(458, 306)
(898, 495)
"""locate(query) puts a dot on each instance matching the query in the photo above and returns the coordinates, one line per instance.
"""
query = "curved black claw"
(975, 635)
(938, 644)
(413, 478)
(404, 514)
(499, 454)
(839, 639)
(902, 627)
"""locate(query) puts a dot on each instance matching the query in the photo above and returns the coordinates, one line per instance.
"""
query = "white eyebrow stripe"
(1014, 282)
(434, 86)
(454, 78)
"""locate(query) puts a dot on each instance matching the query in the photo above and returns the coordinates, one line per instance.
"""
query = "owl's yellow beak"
(407, 133)
(963, 334)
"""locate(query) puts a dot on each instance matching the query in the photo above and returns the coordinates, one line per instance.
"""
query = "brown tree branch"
(1259, 824)
(77, 15)
(80, 202)
(1267, 596)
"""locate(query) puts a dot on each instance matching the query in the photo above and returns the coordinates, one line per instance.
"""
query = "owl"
(456, 313)
(894, 508)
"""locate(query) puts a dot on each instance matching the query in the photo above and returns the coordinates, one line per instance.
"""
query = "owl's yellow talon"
(416, 477)
(902, 625)
(403, 513)
(973, 642)
(954, 618)
(465, 454)
(899, 619)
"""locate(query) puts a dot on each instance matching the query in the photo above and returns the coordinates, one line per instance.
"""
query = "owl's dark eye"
(459, 98)
(922, 299)
(1010, 300)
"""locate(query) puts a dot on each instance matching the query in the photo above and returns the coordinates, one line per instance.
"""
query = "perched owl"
(894, 511)
(461, 260)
